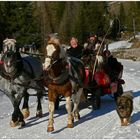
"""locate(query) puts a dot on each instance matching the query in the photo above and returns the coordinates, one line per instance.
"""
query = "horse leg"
(76, 101)
(17, 117)
(14, 120)
(51, 112)
(39, 97)
(68, 108)
(25, 108)
(21, 121)
(57, 103)
(39, 106)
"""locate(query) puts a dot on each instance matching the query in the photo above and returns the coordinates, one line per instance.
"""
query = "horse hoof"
(26, 113)
(21, 124)
(39, 114)
(70, 126)
(50, 129)
(77, 117)
(125, 122)
(13, 124)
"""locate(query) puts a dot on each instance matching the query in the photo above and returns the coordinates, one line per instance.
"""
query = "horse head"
(10, 57)
(10, 60)
(54, 53)
(9, 45)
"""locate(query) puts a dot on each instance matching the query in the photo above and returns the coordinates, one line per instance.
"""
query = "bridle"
(16, 72)
(62, 78)
(54, 62)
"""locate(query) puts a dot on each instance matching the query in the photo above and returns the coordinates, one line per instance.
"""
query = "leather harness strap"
(16, 72)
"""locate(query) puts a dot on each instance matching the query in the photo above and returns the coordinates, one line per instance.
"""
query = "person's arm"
(85, 45)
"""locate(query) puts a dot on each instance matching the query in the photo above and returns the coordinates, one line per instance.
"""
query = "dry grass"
(136, 43)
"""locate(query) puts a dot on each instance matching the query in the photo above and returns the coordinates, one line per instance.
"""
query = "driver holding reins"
(93, 44)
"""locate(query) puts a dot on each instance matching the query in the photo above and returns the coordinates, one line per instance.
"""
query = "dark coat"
(75, 52)
(91, 46)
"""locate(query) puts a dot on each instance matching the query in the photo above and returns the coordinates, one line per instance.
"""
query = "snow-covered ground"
(103, 123)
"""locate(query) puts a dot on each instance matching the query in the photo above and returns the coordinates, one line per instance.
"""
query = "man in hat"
(93, 43)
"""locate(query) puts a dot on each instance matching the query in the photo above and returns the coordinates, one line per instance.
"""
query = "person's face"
(92, 39)
(73, 43)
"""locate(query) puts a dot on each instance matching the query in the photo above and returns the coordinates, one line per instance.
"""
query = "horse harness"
(69, 73)
(14, 74)
(17, 72)
(59, 80)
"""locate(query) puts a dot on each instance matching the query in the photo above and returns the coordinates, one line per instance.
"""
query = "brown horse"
(61, 79)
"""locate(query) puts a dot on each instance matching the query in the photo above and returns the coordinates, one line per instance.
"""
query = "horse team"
(62, 75)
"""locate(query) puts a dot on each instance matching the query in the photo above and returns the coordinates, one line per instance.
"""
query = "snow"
(119, 44)
(100, 124)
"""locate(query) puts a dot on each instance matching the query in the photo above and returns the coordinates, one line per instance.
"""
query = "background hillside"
(32, 21)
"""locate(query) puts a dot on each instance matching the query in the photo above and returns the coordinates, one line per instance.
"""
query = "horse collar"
(14, 74)
(60, 79)
(10, 76)
(51, 65)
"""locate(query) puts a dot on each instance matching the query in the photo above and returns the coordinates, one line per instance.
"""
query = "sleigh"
(106, 81)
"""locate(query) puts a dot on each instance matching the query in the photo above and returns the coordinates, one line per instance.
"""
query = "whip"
(99, 52)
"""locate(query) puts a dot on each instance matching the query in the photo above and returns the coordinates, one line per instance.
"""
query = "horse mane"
(55, 41)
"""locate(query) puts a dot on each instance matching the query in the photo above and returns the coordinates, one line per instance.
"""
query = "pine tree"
(122, 16)
(19, 22)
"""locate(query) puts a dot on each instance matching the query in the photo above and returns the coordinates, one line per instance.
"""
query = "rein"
(40, 54)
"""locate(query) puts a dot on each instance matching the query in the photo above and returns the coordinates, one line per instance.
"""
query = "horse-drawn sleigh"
(103, 77)
(62, 75)
(19, 73)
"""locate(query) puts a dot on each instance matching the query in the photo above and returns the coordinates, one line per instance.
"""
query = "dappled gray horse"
(18, 74)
